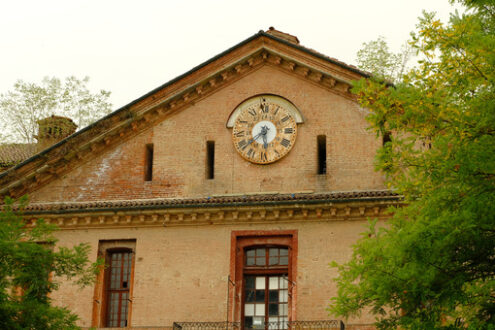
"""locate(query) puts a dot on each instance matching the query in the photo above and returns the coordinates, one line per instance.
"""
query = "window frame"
(267, 272)
(108, 286)
(100, 299)
(240, 241)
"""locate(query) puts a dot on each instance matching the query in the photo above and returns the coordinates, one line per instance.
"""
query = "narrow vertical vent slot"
(148, 166)
(210, 160)
(321, 142)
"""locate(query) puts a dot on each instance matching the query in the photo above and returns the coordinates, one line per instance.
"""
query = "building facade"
(220, 196)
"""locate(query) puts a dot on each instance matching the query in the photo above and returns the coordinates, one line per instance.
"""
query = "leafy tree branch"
(441, 158)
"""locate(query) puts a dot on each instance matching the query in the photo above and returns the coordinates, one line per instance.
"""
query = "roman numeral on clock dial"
(242, 144)
(285, 143)
(251, 153)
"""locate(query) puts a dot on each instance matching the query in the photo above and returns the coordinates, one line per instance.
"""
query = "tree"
(376, 58)
(432, 265)
(27, 103)
(29, 269)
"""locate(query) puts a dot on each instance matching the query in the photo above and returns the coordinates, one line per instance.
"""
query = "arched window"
(266, 287)
(263, 274)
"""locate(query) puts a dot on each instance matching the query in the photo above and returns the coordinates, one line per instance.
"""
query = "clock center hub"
(264, 128)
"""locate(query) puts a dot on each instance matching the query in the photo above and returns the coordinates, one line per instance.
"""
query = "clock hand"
(253, 139)
(265, 144)
(264, 130)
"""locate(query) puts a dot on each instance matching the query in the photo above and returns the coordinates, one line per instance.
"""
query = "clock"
(264, 130)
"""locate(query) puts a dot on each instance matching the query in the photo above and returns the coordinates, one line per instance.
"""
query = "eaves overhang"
(214, 201)
(256, 208)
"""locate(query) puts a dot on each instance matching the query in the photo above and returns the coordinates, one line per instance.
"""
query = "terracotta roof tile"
(11, 154)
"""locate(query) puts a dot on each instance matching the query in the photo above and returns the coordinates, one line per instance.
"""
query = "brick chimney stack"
(53, 129)
(282, 35)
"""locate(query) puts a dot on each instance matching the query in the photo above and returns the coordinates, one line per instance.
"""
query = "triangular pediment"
(262, 49)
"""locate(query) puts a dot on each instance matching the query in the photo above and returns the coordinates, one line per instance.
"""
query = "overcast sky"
(131, 47)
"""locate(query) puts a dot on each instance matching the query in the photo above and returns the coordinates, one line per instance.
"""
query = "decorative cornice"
(217, 210)
(193, 216)
(113, 130)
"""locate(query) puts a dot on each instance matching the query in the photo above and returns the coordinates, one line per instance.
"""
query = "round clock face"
(264, 131)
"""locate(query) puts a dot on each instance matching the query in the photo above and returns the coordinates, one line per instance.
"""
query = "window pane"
(273, 309)
(250, 253)
(258, 323)
(273, 283)
(260, 261)
(250, 296)
(273, 296)
(249, 282)
(283, 309)
(283, 282)
(283, 295)
(284, 261)
(249, 309)
(115, 303)
(284, 251)
(273, 252)
(113, 308)
(260, 283)
(250, 262)
(260, 296)
(260, 252)
(248, 322)
(273, 261)
(123, 310)
(259, 310)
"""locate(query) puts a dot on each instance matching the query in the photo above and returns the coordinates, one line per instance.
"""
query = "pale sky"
(132, 47)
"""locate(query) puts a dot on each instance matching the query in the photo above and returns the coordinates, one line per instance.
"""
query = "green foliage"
(22, 107)
(29, 269)
(433, 265)
(376, 58)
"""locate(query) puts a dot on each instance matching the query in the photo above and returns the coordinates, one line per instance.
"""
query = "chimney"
(282, 35)
(53, 129)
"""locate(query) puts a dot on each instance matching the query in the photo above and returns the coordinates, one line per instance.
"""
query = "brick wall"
(181, 272)
(180, 150)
